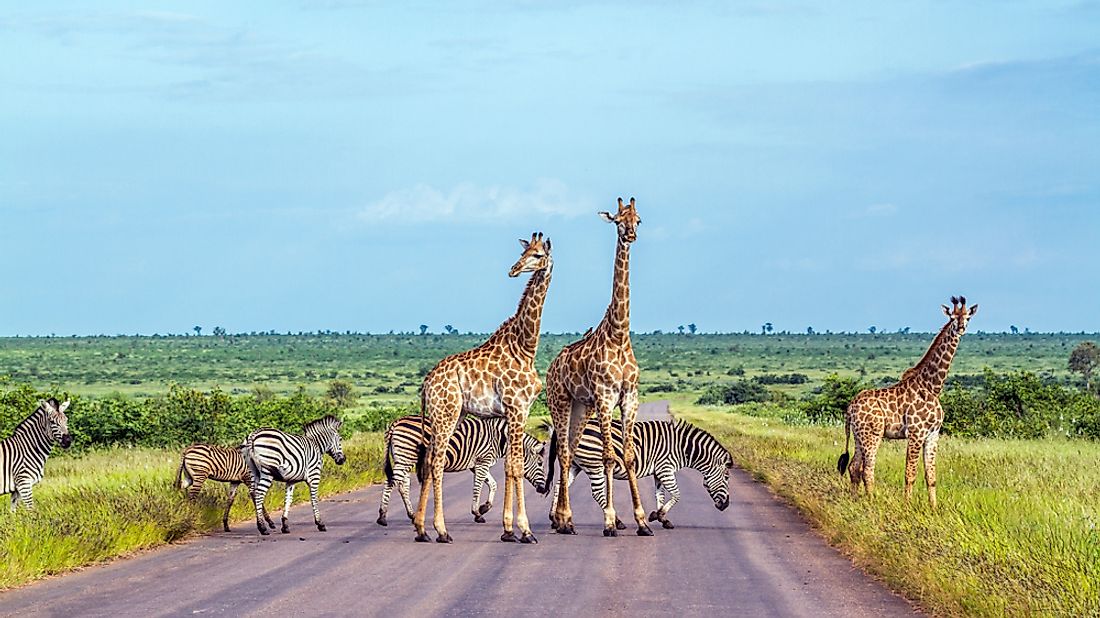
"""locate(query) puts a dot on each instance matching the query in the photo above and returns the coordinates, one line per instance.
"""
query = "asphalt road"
(757, 558)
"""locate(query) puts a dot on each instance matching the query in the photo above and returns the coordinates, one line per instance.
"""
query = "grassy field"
(1015, 532)
(112, 502)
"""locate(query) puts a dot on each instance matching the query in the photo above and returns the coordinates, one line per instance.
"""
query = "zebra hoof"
(644, 531)
(381, 521)
(321, 528)
(225, 526)
(285, 529)
(619, 525)
(667, 525)
(444, 538)
(553, 523)
(610, 531)
(529, 539)
(484, 508)
(264, 532)
(653, 516)
(508, 537)
(479, 519)
(423, 538)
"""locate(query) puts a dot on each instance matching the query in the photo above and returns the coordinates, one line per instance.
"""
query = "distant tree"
(903, 330)
(198, 330)
(1015, 330)
(691, 328)
(219, 331)
(767, 327)
(872, 330)
(809, 330)
(423, 329)
(1083, 360)
(450, 329)
(680, 328)
(341, 392)
(658, 332)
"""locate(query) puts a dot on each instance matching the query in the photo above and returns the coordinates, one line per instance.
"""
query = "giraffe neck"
(933, 367)
(525, 325)
(617, 319)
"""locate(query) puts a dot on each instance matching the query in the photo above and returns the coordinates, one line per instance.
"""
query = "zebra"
(476, 445)
(274, 455)
(23, 454)
(200, 462)
(661, 448)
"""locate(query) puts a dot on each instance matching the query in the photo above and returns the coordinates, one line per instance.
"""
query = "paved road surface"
(757, 558)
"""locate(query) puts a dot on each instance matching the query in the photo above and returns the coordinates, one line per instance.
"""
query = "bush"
(1011, 405)
(828, 402)
(741, 391)
(790, 378)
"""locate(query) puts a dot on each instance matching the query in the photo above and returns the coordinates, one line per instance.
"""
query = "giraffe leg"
(570, 436)
(561, 408)
(441, 436)
(871, 442)
(629, 409)
(604, 414)
(855, 468)
(513, 480)
(930, 465)
(912, 456)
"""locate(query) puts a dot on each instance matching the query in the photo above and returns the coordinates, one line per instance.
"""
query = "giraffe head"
(959, 313)
(536, 255)
(626, 220)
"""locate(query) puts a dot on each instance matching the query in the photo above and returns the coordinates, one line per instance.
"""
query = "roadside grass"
(1015, 532)
(111, 502)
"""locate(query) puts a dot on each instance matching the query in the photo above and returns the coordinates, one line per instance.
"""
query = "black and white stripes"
(661, 448)
(274, 455)
(476, 445)
(23, 454)
(200, 462)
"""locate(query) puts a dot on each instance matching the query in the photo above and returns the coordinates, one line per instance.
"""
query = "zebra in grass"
(200, 462)
(476, 445)
(23, 454)
(661, 448)
(274, 455)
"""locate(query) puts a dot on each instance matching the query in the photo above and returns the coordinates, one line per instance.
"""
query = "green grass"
(109, 503)
(1015, 532)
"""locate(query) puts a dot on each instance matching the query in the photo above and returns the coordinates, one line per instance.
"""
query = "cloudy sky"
(369, 165)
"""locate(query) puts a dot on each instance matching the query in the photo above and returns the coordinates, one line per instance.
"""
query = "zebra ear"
(45, 405)
(64, 406)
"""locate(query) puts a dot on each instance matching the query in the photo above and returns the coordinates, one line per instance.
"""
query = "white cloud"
(470, 202)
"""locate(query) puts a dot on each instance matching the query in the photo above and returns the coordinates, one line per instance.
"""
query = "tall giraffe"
(593, 376)
(909, 409)
(496, 379)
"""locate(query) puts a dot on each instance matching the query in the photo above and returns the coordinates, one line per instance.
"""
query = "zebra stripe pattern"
(200, 462)
(275, 455)
(661, 448)
(476, 445)
(23, 454)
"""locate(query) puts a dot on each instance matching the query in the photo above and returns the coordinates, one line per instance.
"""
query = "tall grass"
(107, 503)
(1015, 532)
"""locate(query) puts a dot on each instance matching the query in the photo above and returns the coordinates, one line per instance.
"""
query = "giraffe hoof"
(321, 528)
(529, 539)
(653, 516)
(644, 531)
(382, 521)
(444, 538)
(619, 525)
(484, 508)
(566, 529)
(610, 531)
(423, 538)
(479, 519)
(508, 537)
(667, 525)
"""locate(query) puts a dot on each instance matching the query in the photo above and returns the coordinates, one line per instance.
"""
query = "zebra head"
(56, 420)
(532, 463)
(711, 459)
(326, 433)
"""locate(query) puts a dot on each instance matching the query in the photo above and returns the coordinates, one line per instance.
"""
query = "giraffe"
(496, 379)
(909, 409)
(593, 376)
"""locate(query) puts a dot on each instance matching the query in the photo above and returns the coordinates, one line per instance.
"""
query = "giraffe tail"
(551, 458)
(842, 463)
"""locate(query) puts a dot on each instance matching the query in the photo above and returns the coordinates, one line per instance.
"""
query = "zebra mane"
(691, 432)
(325, 422)
(33, 419)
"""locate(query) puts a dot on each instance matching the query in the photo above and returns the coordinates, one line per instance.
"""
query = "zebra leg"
(668, 482)
(229, 504)
(402, 480)
(263, 507)
(384, 505)
(260, 484)
(286, 506)
(195, 488)
(628, 406)
(492, 483)
(25, 494)
(481, 473)
(14, 499)
(658, 495)
(313, 484)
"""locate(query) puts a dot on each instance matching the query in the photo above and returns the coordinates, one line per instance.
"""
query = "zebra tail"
(421, 462)
(387, 467)
(551, 458)
(842, 463)
(179, 475)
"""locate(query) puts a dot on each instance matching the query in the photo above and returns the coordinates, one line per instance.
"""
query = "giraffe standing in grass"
(590, 378)
(907, 410)
(496, 379)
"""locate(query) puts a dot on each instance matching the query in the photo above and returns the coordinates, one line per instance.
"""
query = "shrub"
(828, 402)
(790, 378)
(741, 391)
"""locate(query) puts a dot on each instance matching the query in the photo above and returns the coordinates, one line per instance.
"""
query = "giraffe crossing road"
(756, 558)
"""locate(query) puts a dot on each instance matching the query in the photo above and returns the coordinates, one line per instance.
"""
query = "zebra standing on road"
(274, 455)
(476, 445)
(23, 454)
(200, 462)
(661, 448)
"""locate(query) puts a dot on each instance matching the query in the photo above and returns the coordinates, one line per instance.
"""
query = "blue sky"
(369, 166)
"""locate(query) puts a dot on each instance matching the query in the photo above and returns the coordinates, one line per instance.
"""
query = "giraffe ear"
(607, 216)
(524, 243)
(973, 310)
(946, 311)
